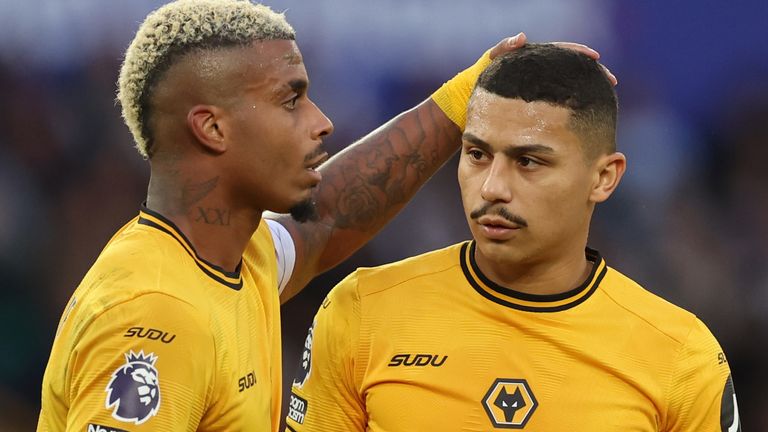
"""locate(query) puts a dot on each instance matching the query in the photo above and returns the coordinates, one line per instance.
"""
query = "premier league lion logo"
(306, 360)
(134, 392)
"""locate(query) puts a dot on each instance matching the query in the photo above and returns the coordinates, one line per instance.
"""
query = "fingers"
(508, 44)
(611, 77)
(589, 52)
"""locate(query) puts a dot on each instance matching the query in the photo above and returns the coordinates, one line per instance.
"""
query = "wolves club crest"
(509, 403)
(133, 393)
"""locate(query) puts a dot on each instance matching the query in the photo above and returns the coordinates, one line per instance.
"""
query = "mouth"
(313, 165)
(497, 222)
(497, 228)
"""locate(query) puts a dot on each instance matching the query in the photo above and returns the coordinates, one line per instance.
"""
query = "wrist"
(453, 96)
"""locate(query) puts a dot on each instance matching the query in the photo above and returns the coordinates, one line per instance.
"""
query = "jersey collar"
(157, 221)
(531, 302)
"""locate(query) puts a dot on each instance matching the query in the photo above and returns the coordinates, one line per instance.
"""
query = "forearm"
(368, 183)
(365, 185)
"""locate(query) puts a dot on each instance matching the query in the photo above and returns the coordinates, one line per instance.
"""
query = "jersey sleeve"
(701, 394)
(141, 365)
(285, 252)
(325, 394)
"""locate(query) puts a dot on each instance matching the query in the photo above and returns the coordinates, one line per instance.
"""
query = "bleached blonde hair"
(176, 29)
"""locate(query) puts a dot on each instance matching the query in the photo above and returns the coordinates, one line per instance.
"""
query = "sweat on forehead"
(174, 30)
(562, 77)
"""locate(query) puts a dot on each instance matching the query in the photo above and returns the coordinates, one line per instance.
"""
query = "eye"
(291, 104)
(527, 162)
(475, 154)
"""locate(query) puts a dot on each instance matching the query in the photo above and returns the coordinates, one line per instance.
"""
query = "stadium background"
(690, 220)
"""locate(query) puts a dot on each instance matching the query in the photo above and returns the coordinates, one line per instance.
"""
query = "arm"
(701, 395)
(134, 367)
(368, 183)
(325, 394)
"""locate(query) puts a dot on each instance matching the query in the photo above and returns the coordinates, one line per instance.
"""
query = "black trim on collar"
(531, 302)
(155, 220)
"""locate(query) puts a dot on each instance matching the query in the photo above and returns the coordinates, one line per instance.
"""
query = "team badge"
(302, 373)
(509, 403)
(133, 393)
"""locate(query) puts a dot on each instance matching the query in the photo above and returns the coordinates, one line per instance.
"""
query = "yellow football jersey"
(157, 339)
(431, 344)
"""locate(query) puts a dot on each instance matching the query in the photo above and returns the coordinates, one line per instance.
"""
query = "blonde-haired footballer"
(523, 327)
(176, 326)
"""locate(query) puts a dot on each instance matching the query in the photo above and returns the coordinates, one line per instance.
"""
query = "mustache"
(314, 154)
(500, 211)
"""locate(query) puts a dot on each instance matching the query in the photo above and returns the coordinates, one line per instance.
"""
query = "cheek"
(562, 205)
(469, 185)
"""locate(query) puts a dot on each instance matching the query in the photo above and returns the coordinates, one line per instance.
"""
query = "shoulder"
(373, 280)
(138, 272)
(657, 313)
(367, 282)
(261, 248)
(129, 264)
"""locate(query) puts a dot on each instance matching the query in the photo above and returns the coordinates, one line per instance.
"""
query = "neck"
(553, 275)
(198, 205)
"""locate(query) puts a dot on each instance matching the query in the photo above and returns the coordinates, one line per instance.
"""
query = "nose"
(322, 125)
(496, 184)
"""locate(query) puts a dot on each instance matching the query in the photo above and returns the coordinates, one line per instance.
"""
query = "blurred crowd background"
(689, 221)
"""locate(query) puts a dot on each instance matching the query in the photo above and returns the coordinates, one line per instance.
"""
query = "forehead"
(514, 121)
(271, 65)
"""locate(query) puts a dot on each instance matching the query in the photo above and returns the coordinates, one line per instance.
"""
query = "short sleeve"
(285, 252)
(701, 395)
(141, 365)
(324, 394)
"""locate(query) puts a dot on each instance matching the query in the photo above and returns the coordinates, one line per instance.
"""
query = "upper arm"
(366, 185)
(701, 394)
(138, 367)
(285, 251)
(325, 393)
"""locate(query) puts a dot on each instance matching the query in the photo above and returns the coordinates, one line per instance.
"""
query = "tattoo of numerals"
(213, 216)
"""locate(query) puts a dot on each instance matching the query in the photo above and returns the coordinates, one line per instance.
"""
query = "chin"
(499, 251)
(304, 211)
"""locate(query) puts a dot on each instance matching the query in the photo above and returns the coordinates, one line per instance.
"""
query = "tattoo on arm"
(373, 179)
(367, 184)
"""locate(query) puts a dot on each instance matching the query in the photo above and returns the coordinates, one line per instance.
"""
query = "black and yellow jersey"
(157, 339)
(430, 343)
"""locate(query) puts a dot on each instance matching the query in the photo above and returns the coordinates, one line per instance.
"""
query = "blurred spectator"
(693, 122)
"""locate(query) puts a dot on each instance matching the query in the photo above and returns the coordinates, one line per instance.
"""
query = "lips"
(312, 166)
(496, 222)
(497, 228)
(317, 161)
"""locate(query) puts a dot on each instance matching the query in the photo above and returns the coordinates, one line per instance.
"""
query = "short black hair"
(562, 77)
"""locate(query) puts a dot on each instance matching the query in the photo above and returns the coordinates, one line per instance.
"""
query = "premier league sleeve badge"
(133, 393)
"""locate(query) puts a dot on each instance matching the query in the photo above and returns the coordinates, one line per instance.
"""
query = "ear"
(204, 123)
(609, 170)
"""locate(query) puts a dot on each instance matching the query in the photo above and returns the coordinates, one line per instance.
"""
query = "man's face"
(275, 131)
(525, 182)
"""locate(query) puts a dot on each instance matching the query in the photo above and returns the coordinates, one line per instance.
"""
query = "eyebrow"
(292, 58)
(510, 151)
(298, 85)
